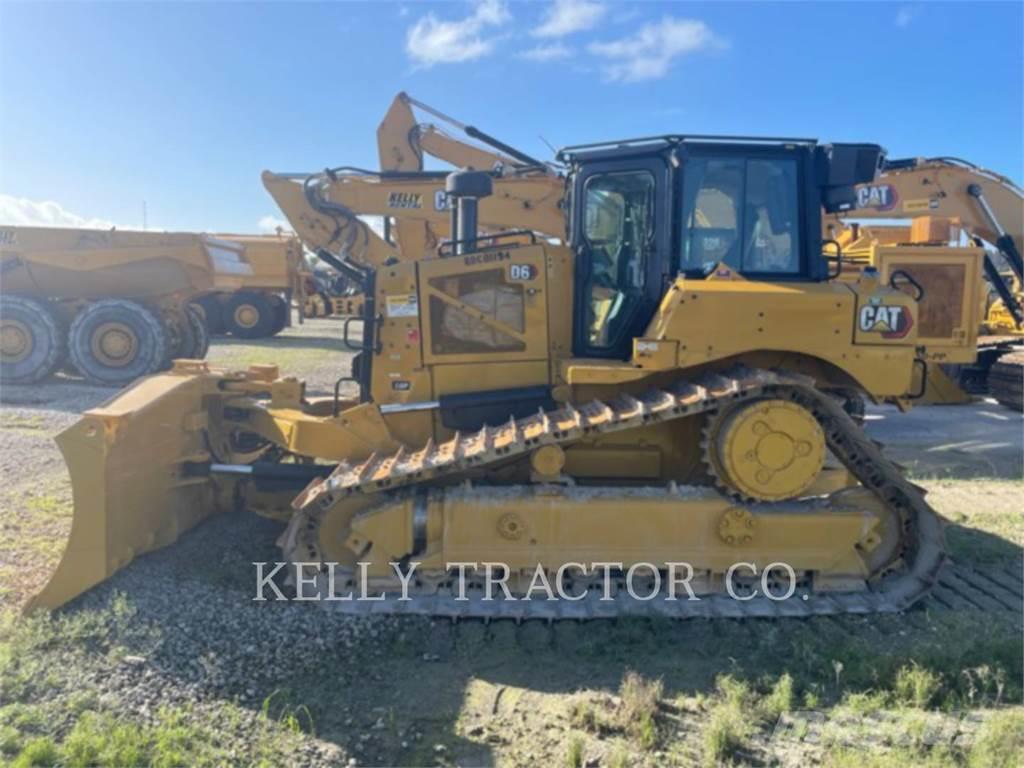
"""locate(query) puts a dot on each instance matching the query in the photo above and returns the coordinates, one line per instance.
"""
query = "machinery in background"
(953, 207)
(113, 305)
(663, 376)
(329, 208)
(262, 306)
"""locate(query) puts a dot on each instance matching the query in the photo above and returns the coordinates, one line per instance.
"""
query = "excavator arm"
(988, 206)
(403, 141)
(324, 208)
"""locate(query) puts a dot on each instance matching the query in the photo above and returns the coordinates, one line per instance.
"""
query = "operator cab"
(645, 211)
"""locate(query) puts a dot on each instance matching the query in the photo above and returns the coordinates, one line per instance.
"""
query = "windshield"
(742, 212)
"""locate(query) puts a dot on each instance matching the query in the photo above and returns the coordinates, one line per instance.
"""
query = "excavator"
(949, 201)
(654, 367)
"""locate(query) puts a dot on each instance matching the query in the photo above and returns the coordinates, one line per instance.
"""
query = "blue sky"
(104, 106)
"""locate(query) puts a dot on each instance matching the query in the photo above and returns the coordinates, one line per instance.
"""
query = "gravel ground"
(180, 627)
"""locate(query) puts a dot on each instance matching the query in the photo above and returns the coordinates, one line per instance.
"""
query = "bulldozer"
(113, 305)
(656, 368)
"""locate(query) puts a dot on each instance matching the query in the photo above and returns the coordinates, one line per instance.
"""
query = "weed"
(41, 751)
(867, 702)
(574, 757)
(725, 734)
(639, 710)
(780, 700)
(898, 758)
(1000, 741)
(583, 715)
(10, 740)
(619, 758)
(293, 719)
(916, 686)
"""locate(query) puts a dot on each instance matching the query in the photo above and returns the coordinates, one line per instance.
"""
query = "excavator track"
(1006, 380)
(906, 580)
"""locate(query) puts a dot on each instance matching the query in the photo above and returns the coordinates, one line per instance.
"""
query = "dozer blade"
(131, 491)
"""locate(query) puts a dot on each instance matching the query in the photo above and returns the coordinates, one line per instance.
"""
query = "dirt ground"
(317, 688)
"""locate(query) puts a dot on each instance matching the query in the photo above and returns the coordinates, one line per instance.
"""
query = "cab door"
(621, 237)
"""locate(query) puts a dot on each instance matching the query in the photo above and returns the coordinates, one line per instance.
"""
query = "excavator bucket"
(128, 462)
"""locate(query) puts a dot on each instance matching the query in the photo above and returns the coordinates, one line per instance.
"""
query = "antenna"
(553, 150)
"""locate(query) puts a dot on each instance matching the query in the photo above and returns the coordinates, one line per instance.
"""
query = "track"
(1006, 380)
(990, 589)
(900, 585)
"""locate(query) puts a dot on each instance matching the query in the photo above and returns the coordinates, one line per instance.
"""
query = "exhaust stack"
(465, 189)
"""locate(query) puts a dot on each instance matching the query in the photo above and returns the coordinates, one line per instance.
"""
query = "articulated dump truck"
(261, 307)
(674, 380)
(112, 305)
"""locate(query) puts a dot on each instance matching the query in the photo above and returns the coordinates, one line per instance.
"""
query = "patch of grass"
(897, 758)
(865, 702)
(725, 734)
(40, 751)
(583, 714)
(780, 700)
(294, 719)
(574, 755)
(987, 526)
(21, 422)
(619, 758)
(729, 720)
(917, 686)
(10, 740)
(1000, 742)
(639, 709)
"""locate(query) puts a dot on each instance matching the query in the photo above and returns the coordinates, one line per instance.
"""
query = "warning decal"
(405, 305)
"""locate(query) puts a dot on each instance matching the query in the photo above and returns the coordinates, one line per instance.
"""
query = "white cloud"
(906, 14)
(567, 16)
(431, 41)
(22, 212)
(551, 52)
(648, 54)
(270, 224)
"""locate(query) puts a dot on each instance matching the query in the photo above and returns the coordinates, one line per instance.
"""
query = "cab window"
(618, 226)
(743, 212)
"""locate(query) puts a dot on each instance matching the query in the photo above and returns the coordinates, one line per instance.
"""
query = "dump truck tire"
(33, 342)
(1006, 381)
(281, 310)
(115, 341)
(249, 315)
(182, 337)
(201, 333)
(212, 312)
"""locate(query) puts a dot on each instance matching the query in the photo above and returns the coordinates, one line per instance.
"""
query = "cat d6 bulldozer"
(674, 381)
